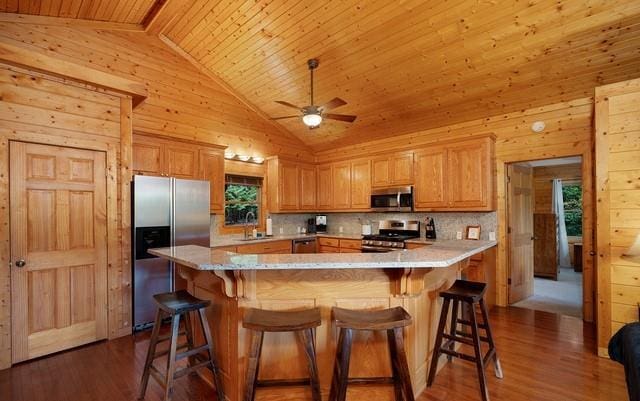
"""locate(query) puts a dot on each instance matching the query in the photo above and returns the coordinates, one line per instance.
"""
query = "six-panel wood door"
(361, 184)
(308, 187)
(430, 174)
(520, 220)
(58, 248)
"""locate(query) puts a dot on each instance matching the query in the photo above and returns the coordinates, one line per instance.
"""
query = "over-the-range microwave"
(392, 199)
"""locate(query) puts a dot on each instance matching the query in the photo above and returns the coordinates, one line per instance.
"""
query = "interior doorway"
(544, 214)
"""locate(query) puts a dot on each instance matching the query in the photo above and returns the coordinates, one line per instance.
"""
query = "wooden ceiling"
(402, 66)
(124, 11)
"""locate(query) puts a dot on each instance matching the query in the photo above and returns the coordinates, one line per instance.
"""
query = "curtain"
(557, 207)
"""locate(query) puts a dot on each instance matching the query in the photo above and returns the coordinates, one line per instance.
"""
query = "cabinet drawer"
(283, 246)
(335, 242)
(414, 246)
(349, 250)
(329, 249)
(351, 243)
(228, 248)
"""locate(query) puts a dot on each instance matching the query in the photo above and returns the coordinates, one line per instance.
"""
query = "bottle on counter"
(430, 228)
(269, 227)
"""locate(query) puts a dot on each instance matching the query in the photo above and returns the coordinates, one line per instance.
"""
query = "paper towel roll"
(269, 228)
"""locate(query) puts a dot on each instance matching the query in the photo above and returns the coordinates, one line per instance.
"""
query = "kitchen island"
(410, 278)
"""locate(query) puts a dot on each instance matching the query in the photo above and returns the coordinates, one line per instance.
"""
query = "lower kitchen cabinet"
(283, 246)
(339, 245)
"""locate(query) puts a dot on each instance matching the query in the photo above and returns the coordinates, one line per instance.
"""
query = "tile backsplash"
(447, 223)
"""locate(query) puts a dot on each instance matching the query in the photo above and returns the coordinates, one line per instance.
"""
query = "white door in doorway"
(58, 248)
(520, 232)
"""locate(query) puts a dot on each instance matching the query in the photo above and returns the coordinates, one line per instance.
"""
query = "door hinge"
(509, 281)
(508, 178)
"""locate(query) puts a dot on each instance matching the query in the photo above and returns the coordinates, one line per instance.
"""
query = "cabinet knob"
(20, 263)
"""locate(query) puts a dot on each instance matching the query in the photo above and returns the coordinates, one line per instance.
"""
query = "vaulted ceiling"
(403, 65)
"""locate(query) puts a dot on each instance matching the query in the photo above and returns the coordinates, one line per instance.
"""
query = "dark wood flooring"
(544, 357)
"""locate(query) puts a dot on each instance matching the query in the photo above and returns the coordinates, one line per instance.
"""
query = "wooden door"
(288, 185)
(468, 175)
(325, 187)
(58, 228)
(181, 160)
(520, 232)
(402, 168)
(545, 251)
(342, 185)
(307, 187)
(430, 191)
(361, 184)
(380, 172)
(147, 157)
(211, 165)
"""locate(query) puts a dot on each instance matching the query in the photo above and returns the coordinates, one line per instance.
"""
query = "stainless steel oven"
(393, 199)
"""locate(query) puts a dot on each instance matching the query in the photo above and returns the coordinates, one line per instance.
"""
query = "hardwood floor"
(544, 357)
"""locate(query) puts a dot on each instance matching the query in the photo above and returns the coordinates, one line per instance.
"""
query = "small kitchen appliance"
(321, 223)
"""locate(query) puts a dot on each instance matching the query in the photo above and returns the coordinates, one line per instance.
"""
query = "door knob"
(20, 263)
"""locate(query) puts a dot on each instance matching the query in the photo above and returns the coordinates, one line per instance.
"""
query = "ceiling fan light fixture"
(312, 119)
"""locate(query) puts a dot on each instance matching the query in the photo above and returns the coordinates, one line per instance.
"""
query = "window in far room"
(241, 196)
(572, 197)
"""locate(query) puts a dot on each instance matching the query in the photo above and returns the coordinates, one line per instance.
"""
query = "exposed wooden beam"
(162, 14)
(70, 22)
(226, 87)
(13, 53)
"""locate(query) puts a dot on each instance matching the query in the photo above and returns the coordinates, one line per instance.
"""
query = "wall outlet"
(459, 235)
(298, 230)
(340, 229)
(281, 230)
(492, 235)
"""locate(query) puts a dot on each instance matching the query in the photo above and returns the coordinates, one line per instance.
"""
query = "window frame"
(258, 202)
(574, 183)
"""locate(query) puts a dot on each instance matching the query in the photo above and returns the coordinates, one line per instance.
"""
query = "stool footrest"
(168, 336)
(283, 382)
(192, 352)
(462, 340)
(468, 335)
(370, 380)
(184, 371)
(458, 355)
(157, 375)
(468, 323)
(165, 352)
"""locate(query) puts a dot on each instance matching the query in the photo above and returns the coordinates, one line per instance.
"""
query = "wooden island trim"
(232, 291)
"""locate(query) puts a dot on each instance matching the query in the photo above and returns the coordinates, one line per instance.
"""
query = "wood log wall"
(568, 133)
(182, 101)
(617, 146)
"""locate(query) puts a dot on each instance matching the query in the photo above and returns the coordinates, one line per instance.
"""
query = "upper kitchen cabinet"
(148, 157)
(212, 169)
(392, 170)
(361, 184)
(341, 185)
(181, 160)
(456, 176)
(324, 174)
(291, 186)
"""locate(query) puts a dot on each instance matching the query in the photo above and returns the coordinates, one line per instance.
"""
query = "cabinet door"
(380, 174)
(361, 184)
(342, 185)
(288, 185)
(402, 168)
(468, 175)
(325, 187)
(430, 189)
(147, 158)
(212, 170)
(307, 187)
(181, 160)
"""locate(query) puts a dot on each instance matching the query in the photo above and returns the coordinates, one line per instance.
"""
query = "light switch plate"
(340, 229)
(459, 235)
(281, 230)
(492, 235)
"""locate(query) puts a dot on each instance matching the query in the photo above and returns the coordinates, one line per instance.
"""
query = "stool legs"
(153, 342)
(496, 361)
(401, 363)
(253, 365)
(438, 342)
(306, 337)
(454, 326)
(478, 357)
(338, 390)
(215, 369)
(171, 360)
(393, 353)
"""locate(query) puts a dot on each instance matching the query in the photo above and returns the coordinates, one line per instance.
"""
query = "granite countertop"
(441, 253)
(236, 240)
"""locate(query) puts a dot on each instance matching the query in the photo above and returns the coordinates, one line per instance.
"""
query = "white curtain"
(557, 207)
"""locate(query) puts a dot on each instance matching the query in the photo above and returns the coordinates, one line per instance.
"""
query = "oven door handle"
(398, 199)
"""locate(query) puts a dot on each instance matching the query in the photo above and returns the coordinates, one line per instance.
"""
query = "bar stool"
(470, 294)
(175, 305)
(303, 323)
(393, 321)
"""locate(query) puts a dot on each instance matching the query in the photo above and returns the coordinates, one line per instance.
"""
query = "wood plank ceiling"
(124, 11)
(409, 65)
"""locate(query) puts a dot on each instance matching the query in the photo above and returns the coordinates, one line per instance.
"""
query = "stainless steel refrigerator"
(165, 212)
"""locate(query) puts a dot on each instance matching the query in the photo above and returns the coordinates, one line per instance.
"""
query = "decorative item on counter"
(366, 227)
(269, 227)
(430, 228)
(473, 232)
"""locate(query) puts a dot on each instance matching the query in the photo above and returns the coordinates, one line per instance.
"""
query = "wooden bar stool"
(303, 323)
(392, 321)
(470, 294)
(175, 305)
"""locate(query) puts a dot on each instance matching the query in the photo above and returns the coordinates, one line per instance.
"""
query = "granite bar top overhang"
(439, 254)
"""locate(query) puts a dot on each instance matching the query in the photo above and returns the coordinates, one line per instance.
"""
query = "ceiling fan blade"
(333, 103)
(340, 117)
(288, 104)
(282, 118)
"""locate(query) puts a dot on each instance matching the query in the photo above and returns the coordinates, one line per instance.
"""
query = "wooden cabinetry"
(339, 245)
(395, 169)
(344, 186)
(341, 185)
(159, 156)
(291, 186)
(324, 175)
(283, 246)
(361, 184)
(456, 176)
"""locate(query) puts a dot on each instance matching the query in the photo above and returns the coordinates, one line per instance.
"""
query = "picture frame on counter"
(473, 232)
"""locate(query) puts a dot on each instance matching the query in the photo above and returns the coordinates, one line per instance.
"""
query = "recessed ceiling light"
(538, 126)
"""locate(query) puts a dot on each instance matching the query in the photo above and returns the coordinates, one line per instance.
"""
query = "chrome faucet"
(246, 223)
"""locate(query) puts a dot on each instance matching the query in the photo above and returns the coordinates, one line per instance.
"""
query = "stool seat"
(280, 321)
(385, 319)
(179, 302)
(469, 291)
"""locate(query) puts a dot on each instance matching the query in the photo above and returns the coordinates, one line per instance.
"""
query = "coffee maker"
(320, 223)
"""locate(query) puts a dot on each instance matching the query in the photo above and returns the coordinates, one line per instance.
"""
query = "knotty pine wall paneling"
(48, 110)
(568, 132)
(617, 156)
(182, 103)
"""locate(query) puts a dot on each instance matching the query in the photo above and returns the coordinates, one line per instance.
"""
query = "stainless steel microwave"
(395, 199)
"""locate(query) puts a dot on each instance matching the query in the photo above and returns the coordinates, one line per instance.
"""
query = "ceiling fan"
(313, 115)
